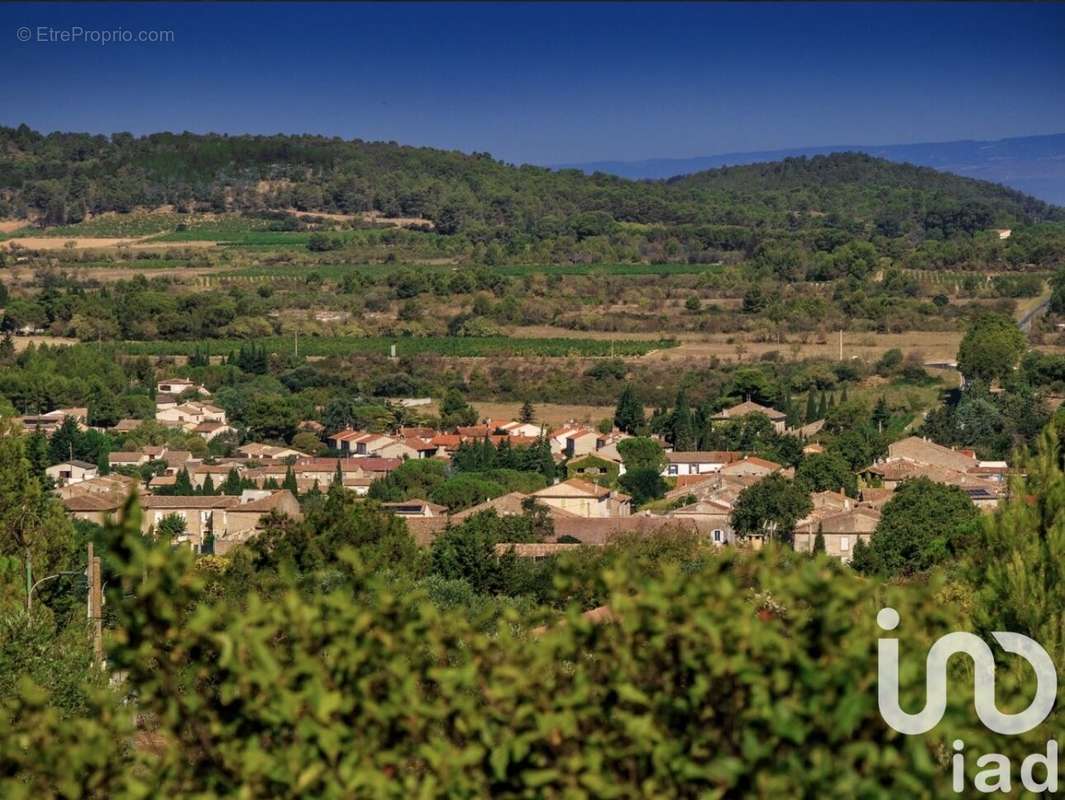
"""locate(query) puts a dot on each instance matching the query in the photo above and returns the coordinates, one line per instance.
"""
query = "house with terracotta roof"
(351, 442)
(522, 429)
(253, 451)
(753, 466)
(324, 469)
(415, 508)
(925, 451)
(585, 499)
(189, 415)
(127, 458)
(741, 410)
(93, 507)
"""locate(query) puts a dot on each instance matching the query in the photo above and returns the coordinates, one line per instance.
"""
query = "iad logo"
(936, 680)
(997, 776)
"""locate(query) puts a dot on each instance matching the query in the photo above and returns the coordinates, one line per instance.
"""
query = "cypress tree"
(628, 414)
(232, 484)
(811, 407)
(208, 487)
(183, 484)
(683, 433)
(290, 480)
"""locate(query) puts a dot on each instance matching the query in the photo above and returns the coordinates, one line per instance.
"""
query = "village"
(219, 502)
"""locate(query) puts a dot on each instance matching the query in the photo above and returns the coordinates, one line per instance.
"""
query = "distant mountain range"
(1031, 164)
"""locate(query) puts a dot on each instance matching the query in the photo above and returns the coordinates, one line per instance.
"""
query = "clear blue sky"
(550, 83)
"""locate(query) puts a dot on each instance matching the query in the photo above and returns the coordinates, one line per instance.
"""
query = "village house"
(528, 429)
(188, 415)
(585, 499)
(594, 467)
(714, 514)
(120, 485)
(574, 441)
(72, 471)
(268, 452)
(697, 462)
(750, 466)
(924, 451)
(51, 421)
(178, 386)
(127, 458)
(840, 530)
(245, 520)
(360, 443)
(415, 508)
(777, 418)
(126, 425)
(211, 429)
(93, 507)
(216, 516)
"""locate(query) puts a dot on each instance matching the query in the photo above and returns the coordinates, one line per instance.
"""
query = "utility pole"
(96, 612)
(29, 582)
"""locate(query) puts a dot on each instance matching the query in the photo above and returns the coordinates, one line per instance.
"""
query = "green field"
(405, 346)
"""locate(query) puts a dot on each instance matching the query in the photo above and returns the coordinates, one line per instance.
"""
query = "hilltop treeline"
(801, 219)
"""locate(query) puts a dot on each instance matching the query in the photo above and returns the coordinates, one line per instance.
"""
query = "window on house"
(844, 543)
(718, 536)
(673, 469)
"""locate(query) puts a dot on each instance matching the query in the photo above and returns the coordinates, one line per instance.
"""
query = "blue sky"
(550, 82)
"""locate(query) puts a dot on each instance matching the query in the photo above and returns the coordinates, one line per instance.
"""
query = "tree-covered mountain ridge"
(63, 177)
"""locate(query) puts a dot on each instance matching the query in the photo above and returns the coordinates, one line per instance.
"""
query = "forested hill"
(62, 177)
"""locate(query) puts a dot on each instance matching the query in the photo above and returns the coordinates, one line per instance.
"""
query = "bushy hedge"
(738, 676)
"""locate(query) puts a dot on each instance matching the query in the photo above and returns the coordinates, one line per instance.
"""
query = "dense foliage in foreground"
(325, 666)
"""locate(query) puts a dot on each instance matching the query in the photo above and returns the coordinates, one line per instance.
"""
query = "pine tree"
(37, 452)
(65, 442)
(7, 348)
(528, 413)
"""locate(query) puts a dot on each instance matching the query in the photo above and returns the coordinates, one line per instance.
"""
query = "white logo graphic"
(984, 687)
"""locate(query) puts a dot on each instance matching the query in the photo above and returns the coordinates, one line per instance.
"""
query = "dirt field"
(8, 225)
(550, 414)
(96, 243)
(933, 345)
(15, 277)
(22, 342)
